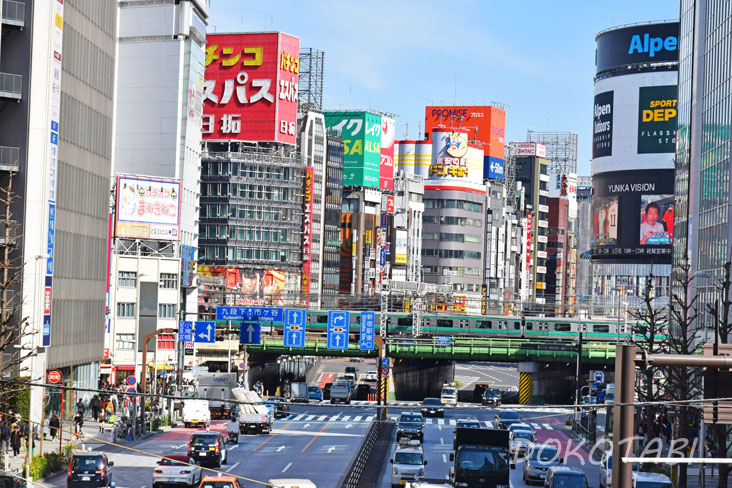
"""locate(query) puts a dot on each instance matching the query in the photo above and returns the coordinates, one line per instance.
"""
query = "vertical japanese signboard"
(386, 169)
(251, 87)
(307, 234)
(147, 208)
(54, 105)
(361, 134)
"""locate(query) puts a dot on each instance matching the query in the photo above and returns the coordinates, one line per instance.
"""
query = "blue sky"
(399, 56)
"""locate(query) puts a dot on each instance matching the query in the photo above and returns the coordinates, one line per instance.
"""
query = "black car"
(326, 391)
(87, 470)
(432, 407)
(11, 481)
(280, 407)
(464, 424)
(349, 369)
(411, 426)
(362, 391)
(208, 448)
(506, 418)
(491, 396)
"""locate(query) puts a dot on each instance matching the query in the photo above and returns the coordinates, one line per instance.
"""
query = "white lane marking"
(441, 421)
(442, 441)
(444, 458)
(349, 426)
(233, 447)
(322, 418)
(306, 426)
(428, 421)
(331, 449)
(287, 467)
(489, 424)
(439, 427)
(179, 447)
(232, 467)
(536, 426)
(452, 421)
(299, 417)
(334, 418)
(309, 418)
(281, 448)
(548, 427)
(344, 418)
(368, 419)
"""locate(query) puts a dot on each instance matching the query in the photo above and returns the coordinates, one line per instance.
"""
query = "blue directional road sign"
(385, 362)
(366, 339)
(263, 314)
(294, 333)
(250, 333)
(337, 329)
(205, 332)
(443, 340)
(185, 331)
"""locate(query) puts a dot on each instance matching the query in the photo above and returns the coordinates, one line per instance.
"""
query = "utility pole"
(577, 402)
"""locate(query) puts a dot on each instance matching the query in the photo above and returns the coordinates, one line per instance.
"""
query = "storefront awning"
(125, 367)
(160, 366)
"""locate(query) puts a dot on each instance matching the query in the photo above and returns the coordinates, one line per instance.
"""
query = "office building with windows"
(332, 220)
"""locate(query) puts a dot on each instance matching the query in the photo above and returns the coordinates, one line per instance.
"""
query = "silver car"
(520, 441)
(540, 458)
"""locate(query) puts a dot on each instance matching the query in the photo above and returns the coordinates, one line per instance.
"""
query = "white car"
(176, 470)
(520, 441)
(291, 483)
(520, 426)
(371, 376)
(449, 395)
(651, 480)
(408, 463)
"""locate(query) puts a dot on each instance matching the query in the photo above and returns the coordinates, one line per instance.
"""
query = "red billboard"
(386, 168)
(250, 90)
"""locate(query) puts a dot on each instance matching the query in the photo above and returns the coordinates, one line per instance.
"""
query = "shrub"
(156, 423)
(38, 467)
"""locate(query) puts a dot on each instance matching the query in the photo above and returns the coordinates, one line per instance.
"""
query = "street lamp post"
(137, 346)
(702, 425)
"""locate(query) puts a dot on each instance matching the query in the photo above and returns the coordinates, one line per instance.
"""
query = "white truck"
(252, 414)
(216, 388)
(196, 413)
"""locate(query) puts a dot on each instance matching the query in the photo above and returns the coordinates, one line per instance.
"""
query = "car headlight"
(394, 471)
(421, 472)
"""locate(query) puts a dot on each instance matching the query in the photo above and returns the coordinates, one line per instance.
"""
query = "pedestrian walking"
(102, 417)
(94, 406)
(54, 424)
(15, 439)
(80, 407)
(78, 424)
(4, 436)
(115, 402)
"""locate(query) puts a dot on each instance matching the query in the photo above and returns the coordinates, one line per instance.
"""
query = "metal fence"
(11, 85)
(359, 463)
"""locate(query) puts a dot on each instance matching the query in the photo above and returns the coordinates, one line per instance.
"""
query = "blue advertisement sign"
(366, 339)
(263, 314)
(493, 167)
(382, 256)
(188, 265)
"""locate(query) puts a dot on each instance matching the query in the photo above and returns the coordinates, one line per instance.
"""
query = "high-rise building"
(558, 250)
(702, 221)
(583, 291)
(332, 221)
(406, 258)
(57, 61)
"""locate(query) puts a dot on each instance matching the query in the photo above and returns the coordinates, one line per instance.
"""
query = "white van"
(291, 483)
(196, 413)
(449, 395)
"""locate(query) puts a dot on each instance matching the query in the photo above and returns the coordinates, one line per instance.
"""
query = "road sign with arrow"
(338, 322)
(294, 333)
(205, 332)
(250, 333)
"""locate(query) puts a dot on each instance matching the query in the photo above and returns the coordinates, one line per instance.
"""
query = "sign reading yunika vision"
(657, 119)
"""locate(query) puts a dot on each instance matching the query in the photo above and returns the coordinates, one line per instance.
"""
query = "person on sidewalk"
(80, 407)
(4, 437)
(102, 417)
(54, 424)
(78, 424)
(94, 406)
(15, 439)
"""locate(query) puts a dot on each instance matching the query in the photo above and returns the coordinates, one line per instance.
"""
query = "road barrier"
(380, 430)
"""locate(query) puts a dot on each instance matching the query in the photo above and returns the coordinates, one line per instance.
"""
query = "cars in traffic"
(279, 406)
(208, 449)
(340, 393)
(177, 470)
(362, 391)
(520, 426)
(408, 463)
(539, 459)
(89, 470)
(432, 407)
(481, 458)
(410, 425)
(491, 397)
(464, 424)
(221, 482)
(290, 483)
(371, 376)
(448, 396)
(350, 370)
(506, 418)
(196, 413)
(565, 477)
(651, 480)
(8, 480)
(520, 441)
(315, 393)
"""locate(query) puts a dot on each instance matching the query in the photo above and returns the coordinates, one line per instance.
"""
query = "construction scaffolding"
(509, 174)
(310, 96)
(561, 149)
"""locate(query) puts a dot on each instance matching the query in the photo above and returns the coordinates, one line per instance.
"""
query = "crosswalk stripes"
(334, 418)
(298, 417)
(489, 424)
(367, 419)
(345, 418)
(357, 418)
(536, 426)
(322, 417)
(548, 427)
(309, 418)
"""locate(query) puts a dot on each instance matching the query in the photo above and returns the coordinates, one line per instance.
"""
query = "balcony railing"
(13, 13)
(11, 86)
(9, 158)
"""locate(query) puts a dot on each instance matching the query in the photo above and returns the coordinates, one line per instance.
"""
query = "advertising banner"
(188, 265)
(307, 235)
(386, 169)
(401, 247)
(361, 134)
(452, 158)
(495, 168)
(633, 216)
(256, 286)
(523, 149)
(147, 208)
(657, 119)
(602, 127)
(251, 87)
(643, 44)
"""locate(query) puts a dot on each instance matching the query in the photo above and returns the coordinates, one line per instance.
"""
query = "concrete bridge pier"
(546, 383)
(415, 379)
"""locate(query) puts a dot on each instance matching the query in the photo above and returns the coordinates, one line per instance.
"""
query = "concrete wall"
(415, 379)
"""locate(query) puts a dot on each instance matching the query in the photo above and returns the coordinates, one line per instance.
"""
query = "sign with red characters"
(251, 87)
(307, 234)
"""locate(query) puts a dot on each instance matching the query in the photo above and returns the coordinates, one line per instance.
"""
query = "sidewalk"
(91, 438)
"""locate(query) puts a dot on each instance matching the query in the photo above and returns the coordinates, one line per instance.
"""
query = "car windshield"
(414, 458)
(87, 463)
(203, 441)
(174, 461)
(508, 415)
(544, 454)
(470, 424)
(217, 484)
(313, 389)
(410, 419)
(523, 434)
(448, 391)
(431, 402)
(491, 393)
(653, 484)
(482, 461)
(372, 372)
(569, 481)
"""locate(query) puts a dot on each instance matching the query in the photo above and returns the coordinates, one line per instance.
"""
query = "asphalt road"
(503, 376)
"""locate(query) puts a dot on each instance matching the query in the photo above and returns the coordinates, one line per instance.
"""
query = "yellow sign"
(540, 285)
(400, 259)
(368, 237)
(354, 253)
